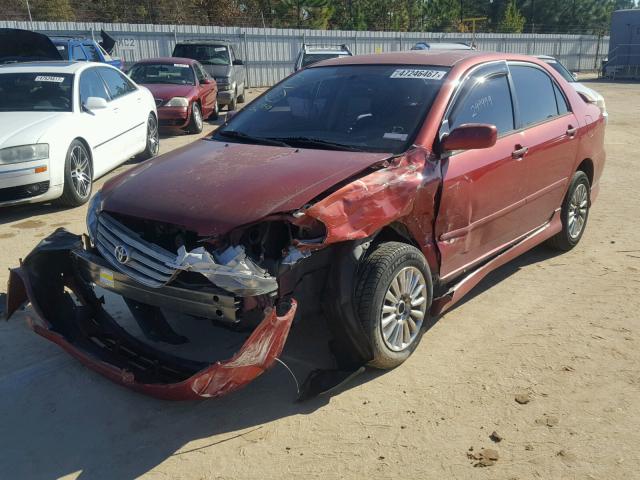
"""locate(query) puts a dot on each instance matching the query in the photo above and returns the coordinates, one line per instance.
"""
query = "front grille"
(145, 262)
(159, 101)
(23, 191)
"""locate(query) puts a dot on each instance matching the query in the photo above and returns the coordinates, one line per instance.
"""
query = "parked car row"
(377, 189)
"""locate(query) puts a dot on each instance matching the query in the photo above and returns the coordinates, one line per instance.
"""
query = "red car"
(379, 189)
(185, 93)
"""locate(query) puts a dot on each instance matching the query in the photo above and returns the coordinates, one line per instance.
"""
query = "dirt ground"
(561, 333)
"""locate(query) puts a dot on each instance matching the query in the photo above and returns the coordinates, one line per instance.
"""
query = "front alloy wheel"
(78, 175)
(392, 299)
(153, 139)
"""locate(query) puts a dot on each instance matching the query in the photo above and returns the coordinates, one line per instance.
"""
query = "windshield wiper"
(248, 138)
(317, 142)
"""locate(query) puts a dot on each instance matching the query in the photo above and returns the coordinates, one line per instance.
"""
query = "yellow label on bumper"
(106, 278)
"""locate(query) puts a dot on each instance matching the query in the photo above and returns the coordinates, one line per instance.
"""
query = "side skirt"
(462, 287)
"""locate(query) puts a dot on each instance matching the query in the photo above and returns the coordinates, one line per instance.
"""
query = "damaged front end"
(58, 278)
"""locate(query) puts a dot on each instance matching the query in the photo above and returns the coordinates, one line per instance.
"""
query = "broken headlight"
(95, 205)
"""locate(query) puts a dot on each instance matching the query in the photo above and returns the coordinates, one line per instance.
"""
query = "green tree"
(52, 10)
(513, 21)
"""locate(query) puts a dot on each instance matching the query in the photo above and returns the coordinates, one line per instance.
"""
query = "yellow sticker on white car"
(106, 278)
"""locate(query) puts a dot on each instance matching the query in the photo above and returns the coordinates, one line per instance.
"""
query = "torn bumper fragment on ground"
(55, 279)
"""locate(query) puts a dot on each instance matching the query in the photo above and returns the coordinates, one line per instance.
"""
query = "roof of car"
(211, 41)
(440, 58)
(546, 58)
(57, 40)
(168, 60)
(45, 66)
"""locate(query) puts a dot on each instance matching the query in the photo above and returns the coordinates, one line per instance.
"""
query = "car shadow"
(30, 213)
(60, 418)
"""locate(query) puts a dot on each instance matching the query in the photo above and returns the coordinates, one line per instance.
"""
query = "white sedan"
(64, 124)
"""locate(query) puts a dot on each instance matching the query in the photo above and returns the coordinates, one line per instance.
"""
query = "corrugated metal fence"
(270, 53)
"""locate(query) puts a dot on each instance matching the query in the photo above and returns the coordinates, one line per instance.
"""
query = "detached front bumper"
(57, 278)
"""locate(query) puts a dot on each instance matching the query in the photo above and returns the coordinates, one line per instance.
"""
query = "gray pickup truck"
(219, 59)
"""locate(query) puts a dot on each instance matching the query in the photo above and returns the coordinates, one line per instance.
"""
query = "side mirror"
(95, 103)
(470, 136)
(238, 62)
(206, 81)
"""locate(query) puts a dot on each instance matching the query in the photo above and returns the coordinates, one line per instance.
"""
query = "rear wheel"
(393, 297)
(574, 213)
(195, 122)
(78, 175)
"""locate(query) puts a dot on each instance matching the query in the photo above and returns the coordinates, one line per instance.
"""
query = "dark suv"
(219, 59)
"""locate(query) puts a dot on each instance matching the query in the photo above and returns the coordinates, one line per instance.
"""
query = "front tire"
(241, 97)
(153, 139)
(216, 112)
(195, 122)
(234, 102)
(574, 213)
(78, 176)
(392, 299)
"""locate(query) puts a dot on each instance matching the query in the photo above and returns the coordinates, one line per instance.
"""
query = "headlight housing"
(223, 84)
(95, 205)
(177, 102)
(24, 153)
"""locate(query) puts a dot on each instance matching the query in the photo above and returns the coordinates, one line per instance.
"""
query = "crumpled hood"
(23, 128)
(211, 187)
(167, 91)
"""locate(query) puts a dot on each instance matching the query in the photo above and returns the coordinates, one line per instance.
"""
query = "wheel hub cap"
(80, 172)
(403, 309)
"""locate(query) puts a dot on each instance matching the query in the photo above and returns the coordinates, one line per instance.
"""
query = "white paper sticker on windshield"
(396, 136)
(180, 65)
(46, 78)
(220, 49)
(415, 73)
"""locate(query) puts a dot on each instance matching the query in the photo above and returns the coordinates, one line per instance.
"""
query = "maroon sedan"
(185, 93)
(376, 189)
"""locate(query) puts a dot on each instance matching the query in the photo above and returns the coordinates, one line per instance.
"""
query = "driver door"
(483, 190)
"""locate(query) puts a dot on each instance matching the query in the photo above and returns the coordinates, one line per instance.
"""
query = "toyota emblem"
(122, 254)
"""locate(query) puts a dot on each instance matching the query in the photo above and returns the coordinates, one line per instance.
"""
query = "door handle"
(571, 131)
(519, 152)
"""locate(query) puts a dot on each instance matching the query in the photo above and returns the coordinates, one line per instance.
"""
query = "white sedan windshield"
(36, 92)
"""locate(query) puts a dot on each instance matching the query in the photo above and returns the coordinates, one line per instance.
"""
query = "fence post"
(246, 59)
(580, 54)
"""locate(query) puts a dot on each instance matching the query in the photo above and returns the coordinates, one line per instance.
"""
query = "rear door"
(127, 103)
(483, 190)
(550, 137)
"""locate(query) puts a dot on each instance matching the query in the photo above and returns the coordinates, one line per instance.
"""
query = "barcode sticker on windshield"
(46, 78)
(180, 65)
(220, 49)
(414, 73)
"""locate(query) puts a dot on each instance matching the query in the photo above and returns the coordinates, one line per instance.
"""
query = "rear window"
(311, 58)
(205, 54)
(64, 51)
(36, 92)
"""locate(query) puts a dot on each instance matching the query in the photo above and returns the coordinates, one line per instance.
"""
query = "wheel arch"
(587, 167)
(90, 152)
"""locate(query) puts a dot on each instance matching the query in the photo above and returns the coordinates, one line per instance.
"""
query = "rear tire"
(78, 176)
(392, 298)
(195, 122)
(574, 213)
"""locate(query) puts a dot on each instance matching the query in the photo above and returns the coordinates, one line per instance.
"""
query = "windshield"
(205, 54)
(375, 108)
(36, 92)
(175, 74)
(562, 70)
(310, 58)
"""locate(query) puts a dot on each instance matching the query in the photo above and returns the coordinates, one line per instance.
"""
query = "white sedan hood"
(24, 128)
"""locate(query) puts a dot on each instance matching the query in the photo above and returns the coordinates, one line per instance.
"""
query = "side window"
(91, 85)
(117, 84)
(561, 101)
(78, 53)
(92, 51)
(485, 100)
(534, 91)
